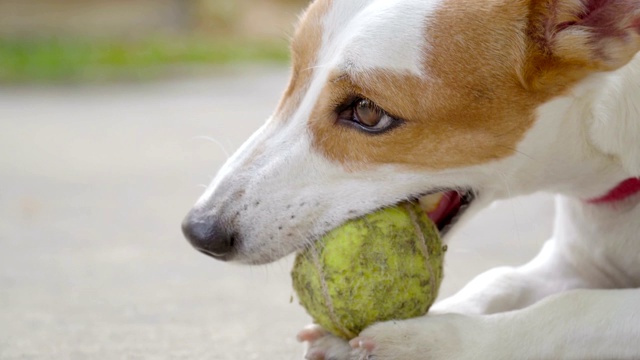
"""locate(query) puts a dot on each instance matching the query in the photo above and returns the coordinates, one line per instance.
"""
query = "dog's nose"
(208, 236)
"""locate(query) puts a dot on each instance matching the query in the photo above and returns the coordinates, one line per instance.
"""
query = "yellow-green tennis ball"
(384, 266)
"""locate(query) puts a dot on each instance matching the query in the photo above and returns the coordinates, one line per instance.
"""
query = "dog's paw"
(321, 345)
(430, 338)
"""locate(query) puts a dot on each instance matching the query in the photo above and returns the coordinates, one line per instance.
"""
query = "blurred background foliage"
(98, 40)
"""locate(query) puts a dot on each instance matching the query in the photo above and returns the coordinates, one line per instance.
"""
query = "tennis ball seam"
(423, 248)
(325, 292)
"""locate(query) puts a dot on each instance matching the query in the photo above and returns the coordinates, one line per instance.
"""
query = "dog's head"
(392, 100)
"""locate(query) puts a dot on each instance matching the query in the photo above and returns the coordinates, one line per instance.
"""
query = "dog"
(476, 100)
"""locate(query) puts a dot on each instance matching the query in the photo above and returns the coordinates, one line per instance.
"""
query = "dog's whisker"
(518, 152)
(319, 66)
(213, 140)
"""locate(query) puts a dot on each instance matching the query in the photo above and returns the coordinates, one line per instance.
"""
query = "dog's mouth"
(445, 208)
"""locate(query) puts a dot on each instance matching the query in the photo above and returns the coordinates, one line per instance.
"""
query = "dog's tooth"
(430, 202)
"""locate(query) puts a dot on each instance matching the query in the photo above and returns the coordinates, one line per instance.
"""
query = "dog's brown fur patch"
(470, 107)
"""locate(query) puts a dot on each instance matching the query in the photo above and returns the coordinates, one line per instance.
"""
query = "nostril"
(208, 236)
(232, 241)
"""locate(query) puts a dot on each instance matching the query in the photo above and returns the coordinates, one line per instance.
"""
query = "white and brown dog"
(391, 100)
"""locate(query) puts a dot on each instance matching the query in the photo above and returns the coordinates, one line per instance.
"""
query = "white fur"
(378, 34)
(279, 193)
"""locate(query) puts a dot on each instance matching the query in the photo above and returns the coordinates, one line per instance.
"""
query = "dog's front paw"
(431, 337)
(321, 345)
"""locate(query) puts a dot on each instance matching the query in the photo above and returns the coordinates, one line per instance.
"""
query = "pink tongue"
(447, 207)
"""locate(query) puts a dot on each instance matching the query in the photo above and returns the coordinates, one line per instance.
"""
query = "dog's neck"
(584, 144)
(597, 223)
(601, 240)
(615, 122)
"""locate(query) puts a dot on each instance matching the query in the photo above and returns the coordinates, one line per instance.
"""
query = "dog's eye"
(368, 116)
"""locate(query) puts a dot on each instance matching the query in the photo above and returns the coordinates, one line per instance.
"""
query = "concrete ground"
(94, 182)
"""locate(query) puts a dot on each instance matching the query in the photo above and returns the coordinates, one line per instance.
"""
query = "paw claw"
(322, 345)
(362, 344)
(310, 334)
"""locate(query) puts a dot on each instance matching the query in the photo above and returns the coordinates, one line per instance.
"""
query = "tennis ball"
(383, 266)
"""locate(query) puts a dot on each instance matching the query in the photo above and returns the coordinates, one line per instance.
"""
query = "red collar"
(624, 190)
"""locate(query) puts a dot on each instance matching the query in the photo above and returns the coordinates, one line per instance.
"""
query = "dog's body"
(497, 98)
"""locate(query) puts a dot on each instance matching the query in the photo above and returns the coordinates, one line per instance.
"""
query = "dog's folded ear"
(577, 37)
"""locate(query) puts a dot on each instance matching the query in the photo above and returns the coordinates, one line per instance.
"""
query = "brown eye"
(367, 113)
(366, 116)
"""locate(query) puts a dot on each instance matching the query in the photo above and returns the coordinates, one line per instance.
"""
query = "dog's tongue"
(441, 207)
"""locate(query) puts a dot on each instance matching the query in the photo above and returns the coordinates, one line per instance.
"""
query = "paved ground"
(94, 182)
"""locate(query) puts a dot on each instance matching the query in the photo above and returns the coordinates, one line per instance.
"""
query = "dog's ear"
(576, 37)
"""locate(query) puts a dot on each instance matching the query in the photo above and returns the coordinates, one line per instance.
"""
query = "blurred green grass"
(75, 60)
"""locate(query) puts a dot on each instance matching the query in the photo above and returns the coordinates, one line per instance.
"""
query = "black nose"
(208, 236)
